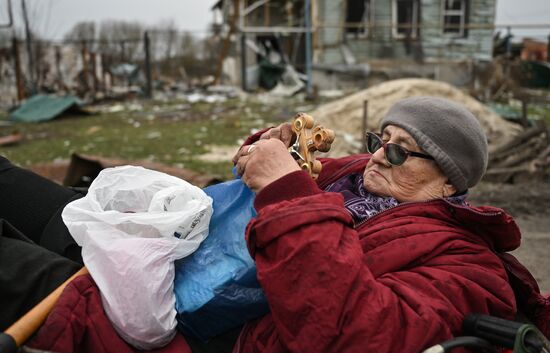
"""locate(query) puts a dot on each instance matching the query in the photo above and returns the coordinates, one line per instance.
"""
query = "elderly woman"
(382, 253)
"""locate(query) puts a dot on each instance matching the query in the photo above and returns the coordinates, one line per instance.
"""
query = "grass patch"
(541, 111)
(174, 133)
(513, 110)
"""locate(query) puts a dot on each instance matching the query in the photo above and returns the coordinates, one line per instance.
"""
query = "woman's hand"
(282, 132)
(263, 162)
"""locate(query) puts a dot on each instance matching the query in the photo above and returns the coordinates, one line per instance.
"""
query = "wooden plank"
(27, 325)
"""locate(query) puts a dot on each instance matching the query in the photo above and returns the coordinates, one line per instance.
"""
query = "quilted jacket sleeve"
(325, 297)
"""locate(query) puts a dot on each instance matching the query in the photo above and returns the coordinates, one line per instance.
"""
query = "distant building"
(431, 38)
(533, 50)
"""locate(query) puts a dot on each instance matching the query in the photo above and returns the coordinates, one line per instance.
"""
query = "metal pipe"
(10, 17)
(508, 42)
(148, 76)
(85, 70)
(29, 47)
(291, 29)
(307, 18)
(280, 29)
(431, 25)
(93, 62)
(18, 75)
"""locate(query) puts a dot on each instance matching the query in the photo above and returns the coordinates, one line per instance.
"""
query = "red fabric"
(78, 324)
(400, 282)
(531, 303)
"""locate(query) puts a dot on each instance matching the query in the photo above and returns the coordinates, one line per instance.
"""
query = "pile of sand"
(345, 115)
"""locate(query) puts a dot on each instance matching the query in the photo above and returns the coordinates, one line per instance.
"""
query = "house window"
(358, 18)
(454, 17)
(405, 18)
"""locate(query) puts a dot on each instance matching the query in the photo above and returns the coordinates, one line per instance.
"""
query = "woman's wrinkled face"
(417, 179)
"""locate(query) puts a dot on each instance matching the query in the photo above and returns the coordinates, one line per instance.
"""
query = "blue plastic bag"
(216, 287)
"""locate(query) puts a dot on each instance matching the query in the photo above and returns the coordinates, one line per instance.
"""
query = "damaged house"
(355, 42)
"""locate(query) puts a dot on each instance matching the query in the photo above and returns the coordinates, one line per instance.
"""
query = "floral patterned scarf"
(362, 204)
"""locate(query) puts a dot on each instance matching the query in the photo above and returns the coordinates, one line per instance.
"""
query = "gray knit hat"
(447, 132)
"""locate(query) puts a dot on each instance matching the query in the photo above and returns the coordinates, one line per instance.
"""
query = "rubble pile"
(345, 116)
(524, 157)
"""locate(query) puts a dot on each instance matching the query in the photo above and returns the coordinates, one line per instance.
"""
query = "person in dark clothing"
(33, 205)
(30, 215)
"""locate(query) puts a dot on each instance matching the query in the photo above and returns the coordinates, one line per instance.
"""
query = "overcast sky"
(53, 18)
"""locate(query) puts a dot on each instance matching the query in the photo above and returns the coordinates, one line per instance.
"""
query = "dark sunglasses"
(394, 153)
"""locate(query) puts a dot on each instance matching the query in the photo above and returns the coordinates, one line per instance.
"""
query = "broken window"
(358, 18)
(405, 18)
(454, 17)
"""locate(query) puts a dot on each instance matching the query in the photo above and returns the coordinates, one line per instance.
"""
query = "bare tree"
(198, 55)
(169, 34)
(188, 45)
(171, 50)
(122, 40)
(84, 31)
(165, 38)
(210, 53)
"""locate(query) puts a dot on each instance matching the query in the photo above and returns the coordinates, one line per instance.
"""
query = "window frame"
(415, 20)
(368, 20)
(463, 14)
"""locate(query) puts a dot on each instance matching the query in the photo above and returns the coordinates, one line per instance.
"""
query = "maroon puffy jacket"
(399, 282)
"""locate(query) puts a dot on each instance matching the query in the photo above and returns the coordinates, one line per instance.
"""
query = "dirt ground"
(529, 204)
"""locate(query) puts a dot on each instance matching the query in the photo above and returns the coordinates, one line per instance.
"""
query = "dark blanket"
(28, 273)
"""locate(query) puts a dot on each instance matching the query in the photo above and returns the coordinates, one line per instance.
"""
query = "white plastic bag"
(132, 225)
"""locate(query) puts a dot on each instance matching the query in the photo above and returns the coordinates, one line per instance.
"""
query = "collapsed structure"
(434, 39)
(345, 115)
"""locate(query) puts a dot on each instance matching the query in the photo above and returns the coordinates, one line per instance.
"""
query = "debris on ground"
(54, 171)
(227, 91)
(331, 93)
(345, 115)
(196, 97)
(129, 72)
(42, 107)
(219, 153)
(11, 139)
(523, 158)
(81, 170)
(289, 83)
(210, 94)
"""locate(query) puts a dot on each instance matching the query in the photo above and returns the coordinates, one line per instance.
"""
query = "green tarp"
(270, 74)
(45, 107)
(536, 74)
